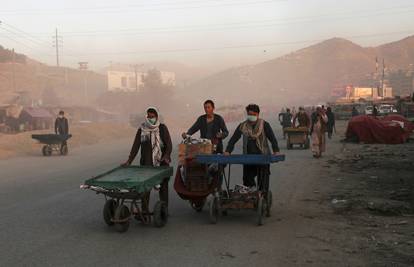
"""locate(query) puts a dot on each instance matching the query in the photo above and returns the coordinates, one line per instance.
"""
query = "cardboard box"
(189, 151)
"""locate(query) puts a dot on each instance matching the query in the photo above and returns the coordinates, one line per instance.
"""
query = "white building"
(368, 93)
(130, 81)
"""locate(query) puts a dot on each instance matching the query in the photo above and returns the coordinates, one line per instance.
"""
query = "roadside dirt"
(364, 197)
(14, 145)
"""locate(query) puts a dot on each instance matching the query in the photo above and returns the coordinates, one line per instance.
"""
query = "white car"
(368, 110)
(386, 109)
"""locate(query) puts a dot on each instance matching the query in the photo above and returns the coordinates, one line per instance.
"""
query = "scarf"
(257, 133)
(151, 133)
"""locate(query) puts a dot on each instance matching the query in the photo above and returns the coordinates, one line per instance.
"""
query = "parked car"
(368, 110)
(387, 109)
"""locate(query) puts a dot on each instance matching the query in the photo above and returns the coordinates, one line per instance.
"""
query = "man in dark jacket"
(255, 132)
(355, 112)
(302, 118)
(330, 126)
(62, 126)
(154, 140)
(285, 119)
(211, 126)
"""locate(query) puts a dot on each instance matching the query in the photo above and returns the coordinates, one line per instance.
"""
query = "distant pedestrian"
(62, 126)
(318, 129)
(374, 111)
(301, 119)
(330, 126)
(285, 120)
(355, 112)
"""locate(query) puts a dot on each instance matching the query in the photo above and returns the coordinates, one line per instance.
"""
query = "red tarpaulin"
(392, 129)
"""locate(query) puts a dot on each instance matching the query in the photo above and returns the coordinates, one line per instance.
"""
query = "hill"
(310, 73)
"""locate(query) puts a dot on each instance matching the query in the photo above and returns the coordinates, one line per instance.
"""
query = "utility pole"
(57, 42)
(83, 66)
(383, 77)
(136, 77)
(14, 70)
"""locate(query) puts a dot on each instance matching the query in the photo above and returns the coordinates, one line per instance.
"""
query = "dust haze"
(77, 78)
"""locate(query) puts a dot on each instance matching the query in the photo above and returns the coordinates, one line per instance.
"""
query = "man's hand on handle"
(166, 160)
(126, 164)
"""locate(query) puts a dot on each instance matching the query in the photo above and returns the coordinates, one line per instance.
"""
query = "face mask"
(152, 120)
(61, 116)
(251, 118)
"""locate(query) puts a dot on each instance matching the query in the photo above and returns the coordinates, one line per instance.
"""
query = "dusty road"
(48, 221)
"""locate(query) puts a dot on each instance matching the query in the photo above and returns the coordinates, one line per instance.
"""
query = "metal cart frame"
(259, 200)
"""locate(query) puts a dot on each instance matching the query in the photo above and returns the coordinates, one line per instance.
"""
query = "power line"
(243, 46)
(165, 4)
(31, 38)
(230, 26)
(129, 8)
(245, 27)
(17, 31)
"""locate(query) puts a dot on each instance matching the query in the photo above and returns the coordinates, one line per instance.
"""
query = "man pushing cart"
(256, 160)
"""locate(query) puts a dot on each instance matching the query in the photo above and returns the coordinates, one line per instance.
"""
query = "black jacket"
(146, 149)
(62, 126)
(218, 126)
(251, 144)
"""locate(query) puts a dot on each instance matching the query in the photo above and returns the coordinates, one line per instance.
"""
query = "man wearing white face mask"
(255, 132)
(154, 140)
(62, 126)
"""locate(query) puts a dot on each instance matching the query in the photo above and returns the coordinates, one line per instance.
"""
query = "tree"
(154, 91)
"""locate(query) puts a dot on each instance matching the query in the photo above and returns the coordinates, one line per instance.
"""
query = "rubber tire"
(269, 203)
(307, 144)
(288, 145)
(197, 206)
(46, 150)
(109, 211)
(260, 210)
(213, 210)
(160, 214)
(122, 212)
(64, 150)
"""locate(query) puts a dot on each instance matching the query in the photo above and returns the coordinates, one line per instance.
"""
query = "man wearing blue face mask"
(154, 140)
(256, 133)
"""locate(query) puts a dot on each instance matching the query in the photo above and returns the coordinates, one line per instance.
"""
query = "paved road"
(46, 220)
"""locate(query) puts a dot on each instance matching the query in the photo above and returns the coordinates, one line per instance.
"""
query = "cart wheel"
(109, 211)
(122, 214)
(198, 206)
(214, 210)
(307, 144)
(160, 214)
(47, 150)
(269, 203)
(261, 207)
(64, 150)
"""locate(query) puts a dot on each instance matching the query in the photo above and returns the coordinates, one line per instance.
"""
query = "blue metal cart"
(259, 200)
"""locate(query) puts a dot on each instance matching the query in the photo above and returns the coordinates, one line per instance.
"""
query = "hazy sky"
(196, 32)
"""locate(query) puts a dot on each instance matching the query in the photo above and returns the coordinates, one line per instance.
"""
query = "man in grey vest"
(256, 133)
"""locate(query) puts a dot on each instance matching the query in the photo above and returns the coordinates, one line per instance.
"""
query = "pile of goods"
(195, 175)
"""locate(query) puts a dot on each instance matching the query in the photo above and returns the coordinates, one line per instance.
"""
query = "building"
(35, 119)
(131, 81)
(353, 93)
